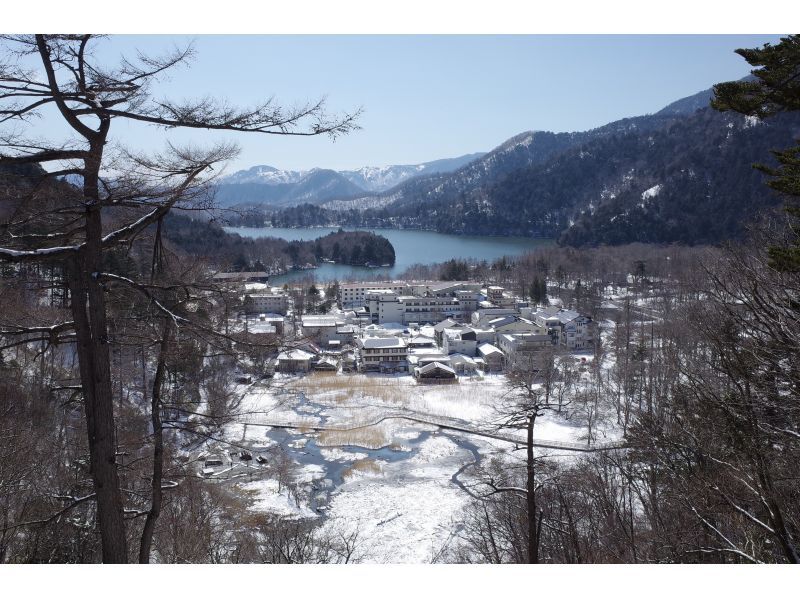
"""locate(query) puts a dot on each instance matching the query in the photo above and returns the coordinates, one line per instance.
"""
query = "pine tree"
(543, 292)
(776, 89)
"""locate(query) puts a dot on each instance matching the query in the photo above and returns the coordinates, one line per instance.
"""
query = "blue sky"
(430, 97)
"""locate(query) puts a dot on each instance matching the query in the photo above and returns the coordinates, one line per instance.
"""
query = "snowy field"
(408, 511)
(390, 481)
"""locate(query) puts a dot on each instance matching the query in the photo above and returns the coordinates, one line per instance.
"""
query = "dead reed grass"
(372, 437)
(365, 466)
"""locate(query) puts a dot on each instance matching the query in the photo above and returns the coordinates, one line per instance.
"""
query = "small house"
(492, 357)
(294, 360)
(435, 372)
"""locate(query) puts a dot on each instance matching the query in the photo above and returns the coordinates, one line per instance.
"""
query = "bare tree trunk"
(88, 311)
(158, 448)
(530, 498)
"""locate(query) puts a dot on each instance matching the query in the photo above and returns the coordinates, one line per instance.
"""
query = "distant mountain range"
(523, 151)
(269, 186)
(683, 174)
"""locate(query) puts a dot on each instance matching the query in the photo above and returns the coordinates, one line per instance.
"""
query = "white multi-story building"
(385, 305)
(422, 310)
(384, 354)
(266, 303)
(571, 329)
(326, 329)
(354, 294)
(515, 342)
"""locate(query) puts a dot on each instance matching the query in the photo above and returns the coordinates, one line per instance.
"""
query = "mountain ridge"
(680, 175)
(267, 185)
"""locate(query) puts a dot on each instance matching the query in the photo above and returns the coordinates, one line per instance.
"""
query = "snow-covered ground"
(265, 497)
(392, 480)
(407, 512)
(403, 504)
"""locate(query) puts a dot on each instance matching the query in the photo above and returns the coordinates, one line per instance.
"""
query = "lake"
(410, 247)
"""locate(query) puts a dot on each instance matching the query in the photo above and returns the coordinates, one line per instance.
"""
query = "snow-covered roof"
(255, 286)
(261, 328)
(567, 315)
(378, 342)
(295, 355)
(327, 360)
(461, 358)
(433, 366)
(563, 315)
(421, 339)
(443, 325)
(507, 319)
(431, 357)
(320, 321)
(488, 349)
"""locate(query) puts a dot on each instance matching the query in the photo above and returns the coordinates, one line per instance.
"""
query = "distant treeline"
(235, 252)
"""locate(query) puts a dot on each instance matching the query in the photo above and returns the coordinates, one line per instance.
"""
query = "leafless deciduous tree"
(119, 195)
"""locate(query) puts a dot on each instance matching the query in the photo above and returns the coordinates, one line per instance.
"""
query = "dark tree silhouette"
(775, 89)
(75, 228)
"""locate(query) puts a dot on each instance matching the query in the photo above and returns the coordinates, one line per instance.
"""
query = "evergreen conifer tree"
(775, 89)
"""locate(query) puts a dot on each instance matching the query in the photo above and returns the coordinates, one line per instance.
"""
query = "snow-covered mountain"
(269, 185)
(381, 178)
(264, 175)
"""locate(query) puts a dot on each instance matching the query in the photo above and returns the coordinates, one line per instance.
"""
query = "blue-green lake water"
(410, 246)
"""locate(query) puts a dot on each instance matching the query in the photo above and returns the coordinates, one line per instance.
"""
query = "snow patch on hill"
(651, 192)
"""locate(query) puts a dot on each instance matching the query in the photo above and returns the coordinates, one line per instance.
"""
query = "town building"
(525, 347)
(382, 354)
(492, 357)
(439, 329)
(460, 340)
(326, 329)
(483, 315)
(571, 329)
(435, 372)
(354, 294)
(386, 306)
(262, 303)
(294, 360)
(463, 364)
(241, 277)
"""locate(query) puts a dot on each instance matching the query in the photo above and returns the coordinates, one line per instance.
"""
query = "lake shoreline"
(347, 227)
(412, 247)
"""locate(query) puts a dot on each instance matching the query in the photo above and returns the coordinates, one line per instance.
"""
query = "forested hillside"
(209, 240)
(682, 175)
